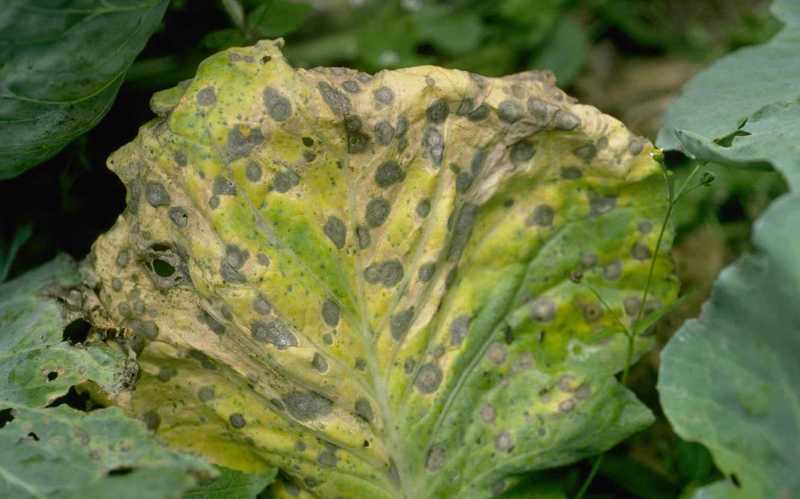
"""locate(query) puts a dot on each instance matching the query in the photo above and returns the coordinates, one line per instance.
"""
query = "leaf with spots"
(62, 65)
(384, 285)
(39, 314)
(729, 379)
(45, 350)
(65, 453)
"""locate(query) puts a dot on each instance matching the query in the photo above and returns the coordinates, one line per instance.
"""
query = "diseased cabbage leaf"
(59, 451)
(36, 365)
(382, 284)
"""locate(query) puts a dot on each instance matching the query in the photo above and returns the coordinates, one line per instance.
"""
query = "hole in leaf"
(34, 436)
(52, 375)
(6, 417)
(120, 470)
(162, 268)
(728, 140)
(76, 331)
(81, 401)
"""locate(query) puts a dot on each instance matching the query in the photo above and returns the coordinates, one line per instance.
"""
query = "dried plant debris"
(364, 280)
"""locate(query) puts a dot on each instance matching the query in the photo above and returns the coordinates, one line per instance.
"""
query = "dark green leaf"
(564, 52)
(453, 33)
(223, 39)
(278, 17)
(9, 253)
(62, 64)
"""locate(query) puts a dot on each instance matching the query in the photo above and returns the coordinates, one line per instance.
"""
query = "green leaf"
(274, 18)
(62, 64)
(232, 484)
(36, 366)
(62, 452)
(371, 282)
(564, 51)
(9, 253)
(223, 39)
(745, 118)
(729, 379)
(453, 33)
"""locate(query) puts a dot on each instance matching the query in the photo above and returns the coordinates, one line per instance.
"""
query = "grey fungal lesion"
(376, 212)
(458, 329)
(400, 323)
(438, 111)
(389, 273)
(357, 141)
(509, 111)
(543, 309)
(336, 231)
(384, 133)
(338, 102)
(363, 409)
(600, 204)
(319, 363)
(275, 332)
(383, 95)
(307, 405)
(433, 144)
(206, 96)
(253, 171)
(232, 263)
(428, 378)
(156, 194)
(327, 458)
(521, 152)
(330, 313)
(285, 180)
(242, 139)
(541, 216)
(278, 107)
(462, 230)
(179, 216)
(389, 173)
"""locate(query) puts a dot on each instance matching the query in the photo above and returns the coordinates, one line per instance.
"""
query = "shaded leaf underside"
(365, 280)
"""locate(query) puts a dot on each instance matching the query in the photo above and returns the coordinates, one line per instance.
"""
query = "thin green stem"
(633, 333)
(590, 478)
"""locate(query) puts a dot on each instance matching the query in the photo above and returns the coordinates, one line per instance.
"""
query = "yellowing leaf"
(382, 284)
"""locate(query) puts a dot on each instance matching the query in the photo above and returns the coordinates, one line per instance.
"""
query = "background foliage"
(627, 57)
